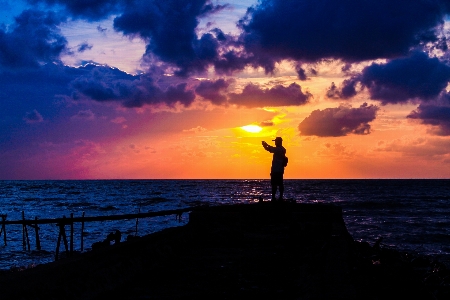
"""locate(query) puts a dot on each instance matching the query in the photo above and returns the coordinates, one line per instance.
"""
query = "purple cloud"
(32, 40)
(255, 96)
(232, 60)
(171, 27)
(301, 73)
(339, 121)
(437, 115)
(352, 31)
(104, 84)
(400, 80)
(272, 30)
(348, 89)
(213, 90)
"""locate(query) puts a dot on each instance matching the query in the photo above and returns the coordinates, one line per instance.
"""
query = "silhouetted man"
(279, 161)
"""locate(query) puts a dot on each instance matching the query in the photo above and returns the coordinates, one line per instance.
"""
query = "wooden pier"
(64, 221)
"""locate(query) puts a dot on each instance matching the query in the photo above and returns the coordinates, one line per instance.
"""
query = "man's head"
(278, 141)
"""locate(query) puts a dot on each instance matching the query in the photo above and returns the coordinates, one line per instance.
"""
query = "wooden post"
(137, 222)
(62, 234)
(25, 238)
(58, 243)
(3, 228)
(23, 232)
(36, 230)
(82, 232)
(71, 234)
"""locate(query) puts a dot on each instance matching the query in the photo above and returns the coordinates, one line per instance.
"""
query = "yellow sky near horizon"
(211, 150)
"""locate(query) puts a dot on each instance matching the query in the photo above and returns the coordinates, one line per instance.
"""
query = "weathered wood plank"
(98, 218)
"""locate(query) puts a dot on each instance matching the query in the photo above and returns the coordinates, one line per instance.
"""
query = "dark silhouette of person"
(278, 163)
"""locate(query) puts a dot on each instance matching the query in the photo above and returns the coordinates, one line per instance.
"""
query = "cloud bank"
(255, 96)
(400, 80)
(340, 121)
(348, 30)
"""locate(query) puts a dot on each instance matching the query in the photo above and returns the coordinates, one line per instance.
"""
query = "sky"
(188, 89)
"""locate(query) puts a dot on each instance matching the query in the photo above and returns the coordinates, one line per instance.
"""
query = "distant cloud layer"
(105, 84)
(255, 96)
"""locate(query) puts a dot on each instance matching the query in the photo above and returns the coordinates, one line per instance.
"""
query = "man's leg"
(281, 190)
(274, 191)
(273, 183)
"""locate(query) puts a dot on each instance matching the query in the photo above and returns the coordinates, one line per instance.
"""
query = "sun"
(252, 128)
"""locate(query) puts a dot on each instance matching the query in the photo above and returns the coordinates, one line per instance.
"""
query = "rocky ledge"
(265, 250)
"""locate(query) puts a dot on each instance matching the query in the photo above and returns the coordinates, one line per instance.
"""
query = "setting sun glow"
(252, 128)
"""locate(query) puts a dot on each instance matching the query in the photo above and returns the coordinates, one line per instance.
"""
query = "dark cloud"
(272, 30)
(436, 115)
(348, 30)
(83, 47)
(177, 94)
(213, 90)
(347, 90)
(233, 60)
(333, 91)
(255, 96)
(169, 27)
(339, 121)
(301, 73)
(415, 77)
(33, 39)
(105, 84)
(101, 29)
(86, 9)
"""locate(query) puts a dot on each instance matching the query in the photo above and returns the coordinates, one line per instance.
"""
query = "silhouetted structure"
(262, 251)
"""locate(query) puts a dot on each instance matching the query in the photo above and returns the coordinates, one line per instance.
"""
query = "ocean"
(411, 215)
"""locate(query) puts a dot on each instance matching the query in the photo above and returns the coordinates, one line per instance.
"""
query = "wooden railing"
(63, 222)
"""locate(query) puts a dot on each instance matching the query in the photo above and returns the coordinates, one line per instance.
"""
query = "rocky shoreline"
(265, 250)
